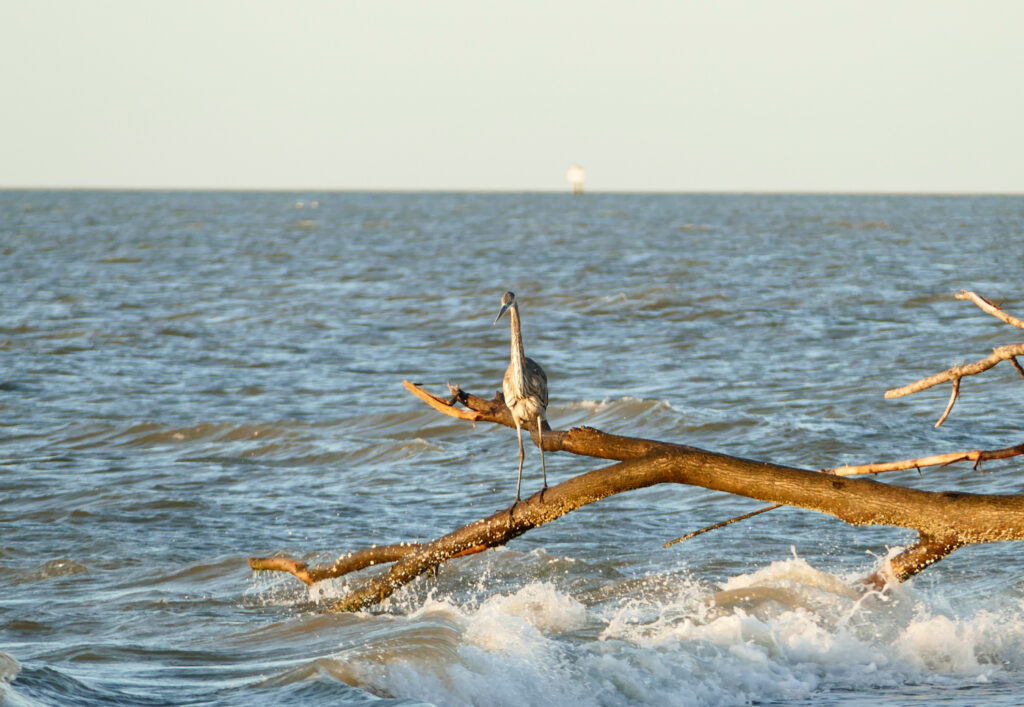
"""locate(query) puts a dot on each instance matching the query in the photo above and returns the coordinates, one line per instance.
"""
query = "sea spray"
(784, 632)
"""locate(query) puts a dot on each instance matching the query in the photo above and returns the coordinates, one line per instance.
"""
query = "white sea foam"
(520, 620)
(785, 632)
(9, 668)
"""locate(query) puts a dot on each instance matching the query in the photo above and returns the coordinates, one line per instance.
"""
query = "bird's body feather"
(528, 400)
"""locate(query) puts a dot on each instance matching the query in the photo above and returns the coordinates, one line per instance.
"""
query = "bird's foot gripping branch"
(944, 521)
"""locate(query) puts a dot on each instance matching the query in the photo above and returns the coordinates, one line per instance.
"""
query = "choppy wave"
(787, 632)
(622, 414)
(370, 438)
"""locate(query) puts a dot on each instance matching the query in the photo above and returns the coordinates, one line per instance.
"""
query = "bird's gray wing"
(537, 381)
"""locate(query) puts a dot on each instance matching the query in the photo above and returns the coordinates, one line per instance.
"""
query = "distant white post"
(575, 176)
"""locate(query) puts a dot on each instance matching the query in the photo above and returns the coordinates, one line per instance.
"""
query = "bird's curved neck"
(518, 355)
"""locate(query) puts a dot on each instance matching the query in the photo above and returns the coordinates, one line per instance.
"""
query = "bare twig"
(722, 524)
(977, 456)
(952, 399)
(1000, 353)
(991, 308)
(1016, 365)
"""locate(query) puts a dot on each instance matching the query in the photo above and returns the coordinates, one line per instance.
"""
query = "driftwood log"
(944, 521)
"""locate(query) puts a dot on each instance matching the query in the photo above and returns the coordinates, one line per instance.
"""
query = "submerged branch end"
(350, 562)
(925, 552)
(281, 564)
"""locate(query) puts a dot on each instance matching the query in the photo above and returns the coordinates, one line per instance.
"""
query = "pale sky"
(757, 95)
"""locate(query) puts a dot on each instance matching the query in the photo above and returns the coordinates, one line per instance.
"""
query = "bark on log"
(976, 455)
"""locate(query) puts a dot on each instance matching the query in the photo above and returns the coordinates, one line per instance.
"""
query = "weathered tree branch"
(977, 456)
(944, 521)
(446, 406)
(956, 518)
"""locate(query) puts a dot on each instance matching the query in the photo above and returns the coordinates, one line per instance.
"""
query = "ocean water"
(190, 379)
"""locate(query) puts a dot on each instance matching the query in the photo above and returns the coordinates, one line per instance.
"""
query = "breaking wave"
(787, 632)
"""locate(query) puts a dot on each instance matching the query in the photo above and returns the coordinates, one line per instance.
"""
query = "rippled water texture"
(191, 379)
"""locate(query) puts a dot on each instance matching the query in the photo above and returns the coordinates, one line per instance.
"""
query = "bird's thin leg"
(540, 443)
(519, 480)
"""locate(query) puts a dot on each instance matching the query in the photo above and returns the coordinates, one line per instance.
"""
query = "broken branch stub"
(990, 307)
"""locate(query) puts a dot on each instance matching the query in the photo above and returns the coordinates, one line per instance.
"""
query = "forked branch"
(956, 373)
(957, 518)
(999, 353)
(944, 521)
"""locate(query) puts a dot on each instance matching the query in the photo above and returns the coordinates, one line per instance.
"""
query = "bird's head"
(508, 301)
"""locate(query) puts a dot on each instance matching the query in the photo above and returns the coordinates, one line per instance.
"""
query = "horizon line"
(567, 192)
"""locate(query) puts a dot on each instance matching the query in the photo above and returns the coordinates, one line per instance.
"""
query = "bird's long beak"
(503, 310)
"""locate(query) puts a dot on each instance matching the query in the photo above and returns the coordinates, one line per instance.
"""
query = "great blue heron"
(525, 387)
